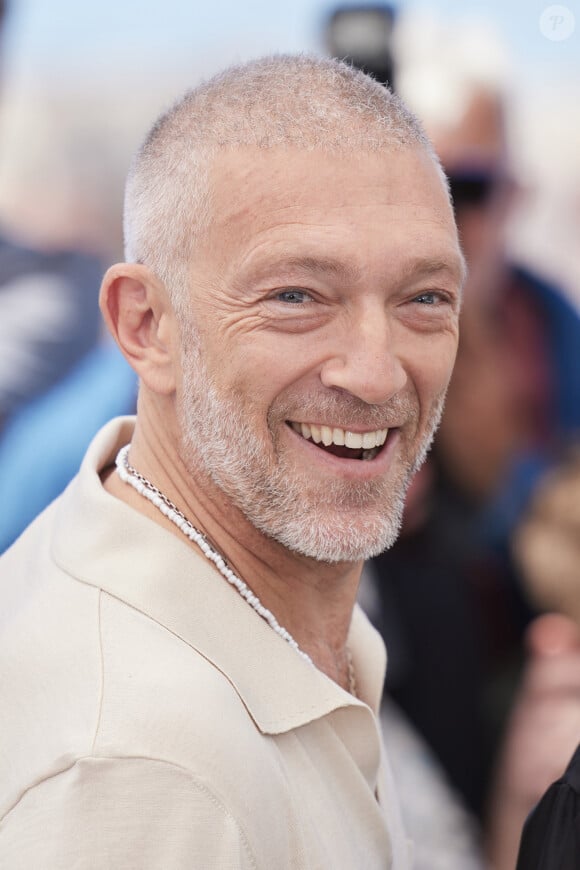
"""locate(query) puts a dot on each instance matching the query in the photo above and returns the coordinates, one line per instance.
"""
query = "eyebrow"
(324, 265)
(350, 274)
(456, 267)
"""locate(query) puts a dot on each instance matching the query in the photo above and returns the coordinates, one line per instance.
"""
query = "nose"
(365, 361)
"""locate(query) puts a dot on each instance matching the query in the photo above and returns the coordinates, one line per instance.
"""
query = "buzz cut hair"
(296, 101)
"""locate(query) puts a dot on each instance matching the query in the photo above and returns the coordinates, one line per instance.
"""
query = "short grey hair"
(300, 101)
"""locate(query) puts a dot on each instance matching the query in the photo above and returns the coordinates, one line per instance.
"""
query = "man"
(186, 680)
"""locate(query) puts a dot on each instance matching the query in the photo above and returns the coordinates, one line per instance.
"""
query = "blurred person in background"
(542, 733)
(546, 545)
(513, 402)
(55, 373)
(449, 598)
(451, 594)
(62, 421)
(49, 320)
(48, 314)
(454, 602)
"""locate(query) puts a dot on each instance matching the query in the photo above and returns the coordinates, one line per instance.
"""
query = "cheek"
(431, 370)
(266, 367)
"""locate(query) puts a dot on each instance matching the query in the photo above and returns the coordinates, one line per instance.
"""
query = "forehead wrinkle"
(235, 179)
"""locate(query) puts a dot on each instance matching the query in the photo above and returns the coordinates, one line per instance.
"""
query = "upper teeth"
(341, 437)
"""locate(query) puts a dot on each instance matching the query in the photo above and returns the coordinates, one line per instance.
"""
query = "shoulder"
(50, 668)
(122, 812)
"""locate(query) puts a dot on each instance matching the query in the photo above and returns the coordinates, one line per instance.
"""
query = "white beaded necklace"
(148, 490)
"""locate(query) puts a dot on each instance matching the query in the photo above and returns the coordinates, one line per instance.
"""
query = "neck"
(313, 601)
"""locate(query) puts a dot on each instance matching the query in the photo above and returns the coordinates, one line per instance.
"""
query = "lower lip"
(353, 469)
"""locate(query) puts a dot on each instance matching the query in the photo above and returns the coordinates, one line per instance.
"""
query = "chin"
(342, 540)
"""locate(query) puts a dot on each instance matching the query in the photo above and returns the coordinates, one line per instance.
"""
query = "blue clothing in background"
(49, 319)
(42, 446)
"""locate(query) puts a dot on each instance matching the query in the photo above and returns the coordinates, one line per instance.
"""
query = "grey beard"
(337, 523)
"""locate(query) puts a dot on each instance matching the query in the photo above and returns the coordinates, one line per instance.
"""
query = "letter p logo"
(557, 23)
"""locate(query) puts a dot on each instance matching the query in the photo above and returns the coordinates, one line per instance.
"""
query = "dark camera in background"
(362, 35)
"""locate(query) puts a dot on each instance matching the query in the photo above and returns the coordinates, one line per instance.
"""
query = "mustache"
(344, 410)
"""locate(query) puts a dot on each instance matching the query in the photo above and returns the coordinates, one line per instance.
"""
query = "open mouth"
(342, 442)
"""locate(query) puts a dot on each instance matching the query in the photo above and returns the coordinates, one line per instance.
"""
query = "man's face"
(324, 305)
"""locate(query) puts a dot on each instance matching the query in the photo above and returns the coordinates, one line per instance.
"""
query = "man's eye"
(430, 298)
(293, 296)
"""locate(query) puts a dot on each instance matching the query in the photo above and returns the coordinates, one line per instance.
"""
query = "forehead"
(298, 201)
(288, 176)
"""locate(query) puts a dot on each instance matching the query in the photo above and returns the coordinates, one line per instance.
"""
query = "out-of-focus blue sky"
(78, 38)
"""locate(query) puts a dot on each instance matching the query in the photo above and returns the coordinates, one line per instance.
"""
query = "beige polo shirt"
(150, 719)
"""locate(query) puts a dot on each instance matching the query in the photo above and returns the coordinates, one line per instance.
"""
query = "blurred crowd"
(490, 531)
(482, 709)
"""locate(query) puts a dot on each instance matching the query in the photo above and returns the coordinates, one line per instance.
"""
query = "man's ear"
(138, 313)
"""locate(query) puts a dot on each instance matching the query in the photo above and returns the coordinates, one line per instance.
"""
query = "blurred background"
(81, 82)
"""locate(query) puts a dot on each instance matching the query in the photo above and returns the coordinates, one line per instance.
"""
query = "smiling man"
(188, 681)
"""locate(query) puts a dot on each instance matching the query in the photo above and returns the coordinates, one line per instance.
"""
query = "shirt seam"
(197, 784)
(102, 672)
